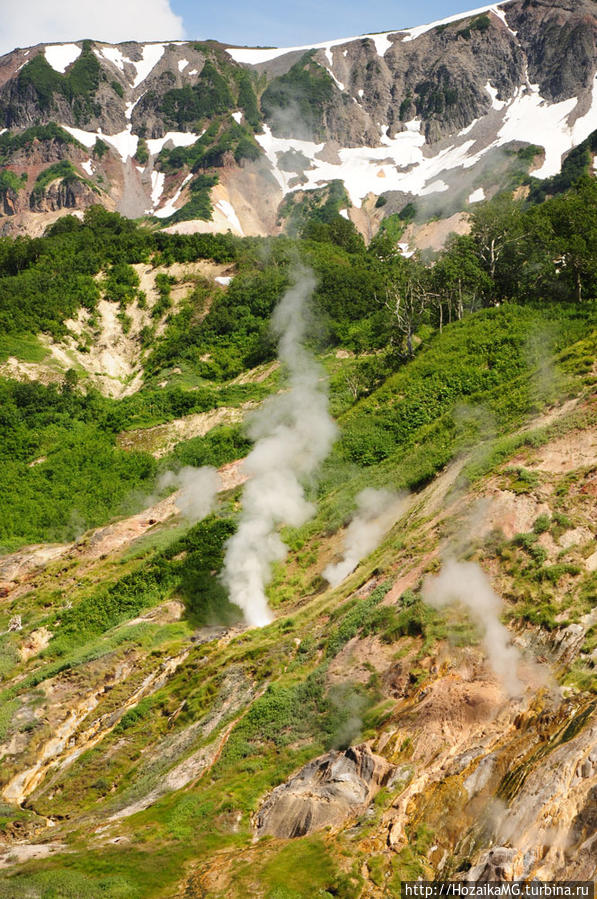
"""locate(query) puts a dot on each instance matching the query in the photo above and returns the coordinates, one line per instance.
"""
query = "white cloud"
(32, 22)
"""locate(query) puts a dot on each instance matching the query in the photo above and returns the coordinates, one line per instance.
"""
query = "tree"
(496, 231)
(407, 297)
(574, 222)
(459, 279)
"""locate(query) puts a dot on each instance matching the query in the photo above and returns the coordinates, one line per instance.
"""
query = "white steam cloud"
(198, 488)
(33, 21)
(294, 433)
(377, 511)
(467, 582)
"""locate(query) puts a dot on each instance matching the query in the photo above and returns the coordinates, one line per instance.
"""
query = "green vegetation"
(224, 137)
(426, 361)
(11, 142)
(576, 164)
(100, 148)
(38, 79)
(142, 154)
(209, 96)
(298, 99)
(314, 209)
(387, 409)
(60, 171)
(219, 87)
(11, 183)
(480, 24)
(200, 205)
(61, 267)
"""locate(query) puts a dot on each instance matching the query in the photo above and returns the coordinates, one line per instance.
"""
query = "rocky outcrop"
(500, 865)
(323, 793)
(9, 198)
(558, 39)
(66, 194)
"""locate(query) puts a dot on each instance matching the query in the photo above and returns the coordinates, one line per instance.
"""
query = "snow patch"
(502, 15)
(468, 128)
(152, 53)
(177, 138)
(157, 187)
(436, 187)
(382, 43)
(339, 84)
(398, 164)
(405, 250)
(124, 143)
(224, 280)
(530, 118)
(169, 209)
(87, 167)
(238, 117)
(230, 215)
(87, 138)
(254, 56)
(113, 55)
(150, 56)
(344, 214)
(492, 91)
(361, 93)
(60, 56)
(477, 196)
(182, 64)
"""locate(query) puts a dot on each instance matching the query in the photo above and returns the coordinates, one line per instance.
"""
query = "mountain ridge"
(207, 137)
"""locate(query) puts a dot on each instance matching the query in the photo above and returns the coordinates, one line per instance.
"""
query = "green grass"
(24, 347)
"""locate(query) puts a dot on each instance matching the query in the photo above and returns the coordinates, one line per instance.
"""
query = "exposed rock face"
(71, 194)
(500, 864)
(325, 792)
(559, 42)
(10, 201)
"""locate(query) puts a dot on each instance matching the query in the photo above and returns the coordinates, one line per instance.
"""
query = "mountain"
(204, 137)
(298, 558)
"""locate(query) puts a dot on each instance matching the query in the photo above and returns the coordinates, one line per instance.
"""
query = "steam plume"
(197, 490)
(467, 582)
(293, 433)
(377, 512)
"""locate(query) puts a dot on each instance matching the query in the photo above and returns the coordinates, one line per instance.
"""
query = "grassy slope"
(472, 388)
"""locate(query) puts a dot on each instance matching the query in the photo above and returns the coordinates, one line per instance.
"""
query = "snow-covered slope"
(435, 114)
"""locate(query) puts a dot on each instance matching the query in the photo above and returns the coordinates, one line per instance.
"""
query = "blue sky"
(275, 23)
(265, 22)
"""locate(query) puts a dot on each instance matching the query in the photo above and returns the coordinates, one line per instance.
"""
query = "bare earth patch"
(161, 439)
